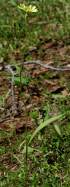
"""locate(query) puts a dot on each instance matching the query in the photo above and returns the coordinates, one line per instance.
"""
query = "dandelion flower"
(27, 8)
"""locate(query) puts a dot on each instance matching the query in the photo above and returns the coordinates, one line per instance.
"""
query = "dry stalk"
(9, 69)
(38, 62)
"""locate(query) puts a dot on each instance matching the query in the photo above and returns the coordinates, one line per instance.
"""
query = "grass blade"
(44, 124)
(57, 129)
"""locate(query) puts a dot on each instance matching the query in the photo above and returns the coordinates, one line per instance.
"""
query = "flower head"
(27, 8)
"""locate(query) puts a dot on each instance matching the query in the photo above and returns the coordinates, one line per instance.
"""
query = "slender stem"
(26, 158)
(26, 155)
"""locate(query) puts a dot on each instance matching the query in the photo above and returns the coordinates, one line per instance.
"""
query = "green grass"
(48, 166)
(48, 159)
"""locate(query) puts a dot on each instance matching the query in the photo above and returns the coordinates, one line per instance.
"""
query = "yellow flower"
(27, 8)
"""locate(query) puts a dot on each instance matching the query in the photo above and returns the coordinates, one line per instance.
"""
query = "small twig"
(38, 62)
(9, 69)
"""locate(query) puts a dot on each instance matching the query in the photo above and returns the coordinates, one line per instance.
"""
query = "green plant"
(25, 80)
(46, 123)
(27, 9)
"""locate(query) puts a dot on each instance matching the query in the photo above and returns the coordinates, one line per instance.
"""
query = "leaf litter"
(33, 95)
(50, 52)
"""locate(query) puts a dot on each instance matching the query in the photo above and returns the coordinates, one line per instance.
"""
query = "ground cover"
(41, 94)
